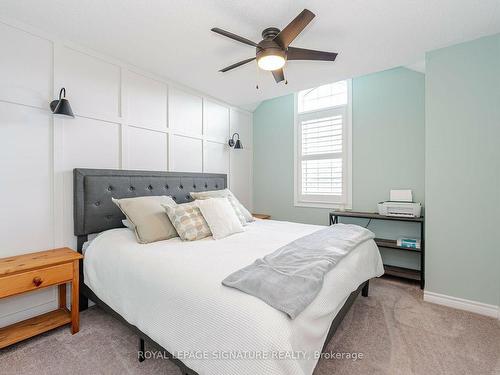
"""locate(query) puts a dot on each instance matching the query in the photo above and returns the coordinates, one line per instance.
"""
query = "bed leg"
(364, 291)
(83, 300)
(140, 353)
(84, 303)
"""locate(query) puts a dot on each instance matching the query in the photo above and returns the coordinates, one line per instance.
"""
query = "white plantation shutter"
(322, 151)
(322, 135)
(322, 177)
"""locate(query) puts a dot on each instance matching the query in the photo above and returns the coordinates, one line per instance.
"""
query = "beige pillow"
(147, 216)
(241, 212)
(188, 221)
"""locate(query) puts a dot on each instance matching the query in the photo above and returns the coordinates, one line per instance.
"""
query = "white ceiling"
(172, 38)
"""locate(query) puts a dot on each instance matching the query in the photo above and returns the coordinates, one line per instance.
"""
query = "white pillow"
(243, 214)
(220, 217)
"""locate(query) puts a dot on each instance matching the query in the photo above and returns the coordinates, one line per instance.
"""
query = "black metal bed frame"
(87, 293)
(81, 203)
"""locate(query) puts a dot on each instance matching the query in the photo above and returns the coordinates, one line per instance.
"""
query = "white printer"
(400, 204)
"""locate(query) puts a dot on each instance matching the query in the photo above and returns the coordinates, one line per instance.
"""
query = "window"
(323, 146)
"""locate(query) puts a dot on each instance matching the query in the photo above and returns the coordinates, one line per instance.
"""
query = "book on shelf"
(410, 243)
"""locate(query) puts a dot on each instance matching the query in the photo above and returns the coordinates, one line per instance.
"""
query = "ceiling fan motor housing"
(270, 32)
(269, 47)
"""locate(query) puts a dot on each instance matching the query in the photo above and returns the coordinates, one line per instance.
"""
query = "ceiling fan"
(274, 49)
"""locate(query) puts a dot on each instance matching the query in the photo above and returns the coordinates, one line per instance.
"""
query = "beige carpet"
(396, 332)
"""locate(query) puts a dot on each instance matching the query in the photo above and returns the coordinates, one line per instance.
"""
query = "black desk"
(402, 272)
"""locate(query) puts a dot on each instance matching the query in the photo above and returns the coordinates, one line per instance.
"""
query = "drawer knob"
(37, 281)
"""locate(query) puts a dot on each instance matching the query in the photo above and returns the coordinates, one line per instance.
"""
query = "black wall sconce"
(237, 143)
(61, 106)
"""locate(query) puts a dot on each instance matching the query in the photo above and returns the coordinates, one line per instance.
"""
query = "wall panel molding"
(123, 120)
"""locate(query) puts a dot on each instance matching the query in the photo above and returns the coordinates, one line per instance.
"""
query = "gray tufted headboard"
(93, 189)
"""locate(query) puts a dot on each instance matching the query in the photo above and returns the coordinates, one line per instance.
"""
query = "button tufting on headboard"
(94, 211)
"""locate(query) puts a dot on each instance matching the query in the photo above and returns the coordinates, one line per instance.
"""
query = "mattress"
(171, 290)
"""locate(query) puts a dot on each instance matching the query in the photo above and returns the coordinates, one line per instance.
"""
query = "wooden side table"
(262, 216)
(28, 272)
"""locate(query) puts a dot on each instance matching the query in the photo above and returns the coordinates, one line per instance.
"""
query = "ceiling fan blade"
(234, 36)
(309, 54)
(279, 75)
(294, 28)
(237, 64)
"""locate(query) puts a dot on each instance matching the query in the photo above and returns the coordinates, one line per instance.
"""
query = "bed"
(170, 291)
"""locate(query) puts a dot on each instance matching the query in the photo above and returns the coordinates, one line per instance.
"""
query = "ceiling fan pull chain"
(258, 76)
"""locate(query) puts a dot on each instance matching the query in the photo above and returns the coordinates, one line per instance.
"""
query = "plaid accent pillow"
(188, 221)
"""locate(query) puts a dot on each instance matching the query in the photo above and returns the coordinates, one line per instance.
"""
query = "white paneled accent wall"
(147, 149)
(240, 173)
(145, 101)
(125, 119)
(186, 153)
(185, 113)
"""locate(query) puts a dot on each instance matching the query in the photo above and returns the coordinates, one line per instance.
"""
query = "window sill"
(338, 206)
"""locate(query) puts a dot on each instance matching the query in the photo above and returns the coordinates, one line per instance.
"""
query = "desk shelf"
(392, 244)
(405, 273)
(402, 272)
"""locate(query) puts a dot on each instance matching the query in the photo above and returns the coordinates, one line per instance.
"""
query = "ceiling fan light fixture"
(271, 62)
(274, 50)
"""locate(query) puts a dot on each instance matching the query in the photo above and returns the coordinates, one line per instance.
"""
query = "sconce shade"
(233, 143)
(61, 106)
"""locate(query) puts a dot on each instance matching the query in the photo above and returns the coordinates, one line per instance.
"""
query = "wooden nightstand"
(28, 272)
(262, 216)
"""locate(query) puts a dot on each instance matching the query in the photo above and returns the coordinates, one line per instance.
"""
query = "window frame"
(324, 201)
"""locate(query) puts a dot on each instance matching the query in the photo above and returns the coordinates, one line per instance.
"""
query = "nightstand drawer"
(37, 279)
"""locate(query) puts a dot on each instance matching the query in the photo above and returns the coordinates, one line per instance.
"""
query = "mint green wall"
(388, 152)
(463, 170)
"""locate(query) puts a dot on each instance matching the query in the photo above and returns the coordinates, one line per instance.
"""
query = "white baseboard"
(28, 313)
(463, 304)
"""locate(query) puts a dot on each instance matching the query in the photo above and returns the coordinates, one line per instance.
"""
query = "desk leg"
(75, 294)
(62, 296)
(422, 256)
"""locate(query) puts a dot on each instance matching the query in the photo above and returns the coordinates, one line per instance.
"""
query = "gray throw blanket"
(291, 277)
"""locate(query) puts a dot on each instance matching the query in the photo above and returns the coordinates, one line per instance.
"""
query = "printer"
(400, 204)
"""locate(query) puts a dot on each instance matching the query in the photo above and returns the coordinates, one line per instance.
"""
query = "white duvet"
(171, 290)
